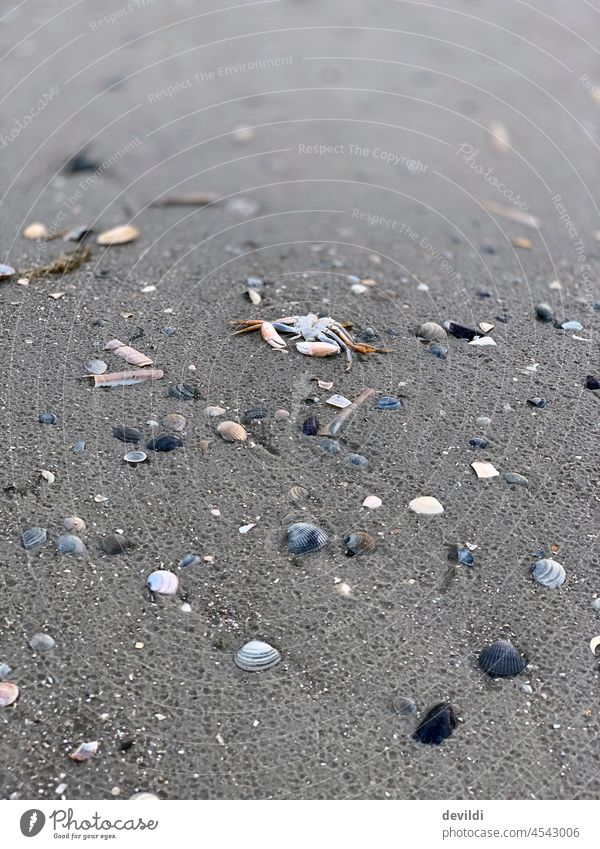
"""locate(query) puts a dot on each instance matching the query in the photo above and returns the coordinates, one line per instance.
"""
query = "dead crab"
(319, 337)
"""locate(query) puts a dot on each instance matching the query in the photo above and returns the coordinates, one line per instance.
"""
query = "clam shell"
(33, 538)
(70, 544)
(163, 582)
(299, 494)
(432, 332)
(134, 457)
(232, 432)
(166, 442)
(41, 643)
(330, 446)
(484, 470)
(280, 415)
(127, 434)
(174, 421)
(359, 542)
(215, 411)
(96, 366)
(549, 573)
(5, 671)
(116, 544)
(183, 392)
(404, 706)
(426, 505)
(9, 693)
(84, 752)
(372, 502)
(6, 271)
(118, 235)
(256, 656)
(501, 660)
(357, 460)
(47, 418)
(36, 231)
(74, 523)
(437, 725)
(304, 538)
(310, 426)
(388, 402)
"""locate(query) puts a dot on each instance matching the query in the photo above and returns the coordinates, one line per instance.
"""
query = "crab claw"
(317, 349)
(271, 336)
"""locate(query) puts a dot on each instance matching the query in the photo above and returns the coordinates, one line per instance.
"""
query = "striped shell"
(33, 538)
(299, 494)
(9, 693)
(70, 544)
(304, 538)
(389, 402)
(549, 573)
(501, 660)
(163, 582)
(359, 542)
(432, 332)
(256, 656)
(437, 725)
(232, 432)
(74, 523)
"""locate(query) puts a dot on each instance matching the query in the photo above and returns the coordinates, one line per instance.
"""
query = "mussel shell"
(404, 706)
(305, 538)
(47, 418)
(74, 523)
(70, 544)
(41, 643)
(190, 560)
(478, 442)
(96, 366)
(437, 725)
(539, 403)
(501, 660)
(460, 331)
(116, 544)
(127, 434)
(359, 542)
(310, 426)
(135, 457)
(232, 432)
(6, 271)
(299, 494)
(174, 421)
(9, 693)
(166, 442)
(163, 582)
(357, 460)
(33, 538)
(183, 392)
(549, 573)
(464, 556)
(330, 446)
(389, 402)
(592, 382)
(543, 312)
(256, 656)
(439, 351)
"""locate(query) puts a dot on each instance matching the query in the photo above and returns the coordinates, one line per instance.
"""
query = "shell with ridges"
(174, 421)
(232, 432)
(359, 542)
(74, 523)
(70, 544)
(550, 573)
(299, 494)
(33, 538)
(256, 656)
(9, 693)
(432, 332)
(305, 538)
(501, 660)
(163, 582)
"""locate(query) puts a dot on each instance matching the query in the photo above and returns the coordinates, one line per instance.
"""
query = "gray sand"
(176, 717)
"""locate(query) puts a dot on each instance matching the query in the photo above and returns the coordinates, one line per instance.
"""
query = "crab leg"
(247, 326)
(360, 348)
(347, 352)
(285, 328)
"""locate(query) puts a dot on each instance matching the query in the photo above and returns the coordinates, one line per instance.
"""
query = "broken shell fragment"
(359, 542)
(118, 235)
(183, 392)
(549, 573)
(256, 656)
(36, 231)
(594, 643)
(483, 342)
(426, 505)
(74, 523)
(317, 349)
(125, 352)
(9, 693)
(96, 366)
(215, 411)
(174, 421)
(232, 432)
(305, 538)
(484, 470)
(163, 582)
(84, 752)
(404, 706)
(125, 378)
(437, 725)
(70, 544)
(372, 502)
(33, 538)
(501, 660)
(41, 643)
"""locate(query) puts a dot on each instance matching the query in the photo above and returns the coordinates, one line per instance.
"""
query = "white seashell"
(142, 796)
(163, 582)
(426, 505)
(41, 643)
(215, 411)
(372, 502)
(485, 326)
(483, 341)
(36, 231)
(118, 235)
(550, 573)
(594, 644)
(9, 693)
(484, 470)
(84, 752)
(232, 432)
(256, 656)
(245, 528)
(338, 401)
(254, 296)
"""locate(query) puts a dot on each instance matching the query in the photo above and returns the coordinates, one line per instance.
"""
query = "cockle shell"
(33, 538)
(317, 349)
(70, 544)
(437, 725)
(84, 751)
(359, 542)
(550, 573)
(174, 421)
(256, 656)
(118, 235)
(232, 432)
(426, 505)
(501, 660)
(304, 538)
(299, 494)
(74, 523)
(9, 693)
(163, 582)
(432, 332)
(41, 643)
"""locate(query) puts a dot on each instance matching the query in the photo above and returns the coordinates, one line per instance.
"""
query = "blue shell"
(592, 382)
(190, 560)
(357, 460)
(540, 403)
(33, 538)
(437, 725)
(439, 351)
(464, 556)
(501, 660)
(184, 392)
(47, 418)
(167, 442)
(549, 573)
(256, 656)
(304, 538)
(310, 426)
(330, 446)
(388, 402)
(572, 325)
(70, 544)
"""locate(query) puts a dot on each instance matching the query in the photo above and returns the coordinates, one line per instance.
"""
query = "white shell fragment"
(256, 656)
(426, 505)
(118, 235)
(372, 502)
(594, 643)
(484, 470)
(84, 752)
(338, 401)
(485, 326)
(483, 341)
(130, 355)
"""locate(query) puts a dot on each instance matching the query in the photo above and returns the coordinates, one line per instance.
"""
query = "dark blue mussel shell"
(310, 426)
(501, 660)
(168, 442)
(437, 725)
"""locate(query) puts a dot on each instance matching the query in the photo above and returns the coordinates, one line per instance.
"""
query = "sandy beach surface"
(344, 144)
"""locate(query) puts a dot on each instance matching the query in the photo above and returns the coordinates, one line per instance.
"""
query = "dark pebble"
(167, 442)
(310, 426)
(592, 382)
(543, 312)
(478, 442)
(47, 418)
(540, 403)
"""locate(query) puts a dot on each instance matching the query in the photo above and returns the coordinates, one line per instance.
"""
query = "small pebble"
(47, 418)
(372, 502)
(592, 382)
(539, 403)
(543, 312)
(515, 478)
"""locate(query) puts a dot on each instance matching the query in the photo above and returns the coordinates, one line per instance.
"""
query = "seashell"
(163, 582)
(281, 415)
(48, 476)
(485, 326)
(254, 415)
(388, 402)
(232, 432)
(514, 478)
(432, 332)
(540, 403)
(357, 460)
(254, 297)
(549, 573)
(78, 233)
(118, 235)
(70, 544)
(403, 706)
(372, 502)
(572, 325)
(464, 556)
(36, 231)
(439, 351)
(126, 378)
(483, 342)
(305, 538)
(594, 643)
(184, 392)
(5, 671)
(359, 542)
(187, 199)
(41, 643)
(339, 401)
(478, 442)
(437, 725)
(484, 470)
(330, 446)
(134, 457)
(317, 349)
(79, 447)
(142, 796)
(116, 544)
(174, 421)
(6, 271)
(167, 442)
(127, 434)
(543, 312)
(460, 331)
(190, 560)
(483, 421)
(426, 505)
(130, 355)
(33, 538)
(168, 331)
(310, 426)
(501, 660)
(299, 494)
(255, 281)
(84, 752)
(592, 382)
(215, 411)
(9, 693)
(47, 418)
(74, 523)
(256, 656)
